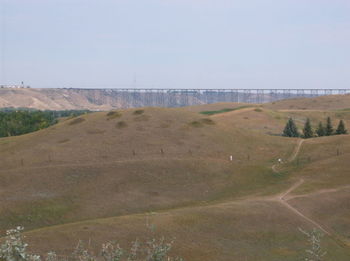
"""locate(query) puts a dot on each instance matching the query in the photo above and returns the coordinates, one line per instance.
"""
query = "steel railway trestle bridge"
(132, 97)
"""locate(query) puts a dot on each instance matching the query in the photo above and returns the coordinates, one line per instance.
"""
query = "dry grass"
(113, 114)
(181, 173)
(76, 121)
(322, 103)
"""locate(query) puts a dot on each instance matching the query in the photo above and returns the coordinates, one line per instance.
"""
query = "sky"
(175, 43)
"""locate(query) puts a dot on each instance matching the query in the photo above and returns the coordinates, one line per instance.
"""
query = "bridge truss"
(130, 98)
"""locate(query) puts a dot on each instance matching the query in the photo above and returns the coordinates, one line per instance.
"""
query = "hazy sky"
(176, 43)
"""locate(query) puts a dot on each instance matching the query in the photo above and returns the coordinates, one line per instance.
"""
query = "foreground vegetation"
(15, 249)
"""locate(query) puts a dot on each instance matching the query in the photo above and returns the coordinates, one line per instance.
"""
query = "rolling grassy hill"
(105, 175)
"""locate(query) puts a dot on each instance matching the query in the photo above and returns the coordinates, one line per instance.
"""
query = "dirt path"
(292, 157)
(320, 192)
(282, 197)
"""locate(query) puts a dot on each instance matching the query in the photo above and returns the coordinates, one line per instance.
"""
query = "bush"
(121, 124)
(76, 121)
(207, 121)
(196, 124)
(315, 251)
(113, 114)
(138, 112)
(15, 249)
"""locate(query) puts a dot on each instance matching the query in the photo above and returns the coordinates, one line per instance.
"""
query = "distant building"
(14, 86)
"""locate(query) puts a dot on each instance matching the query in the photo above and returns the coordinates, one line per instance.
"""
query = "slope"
(108, 164)
(171, 167)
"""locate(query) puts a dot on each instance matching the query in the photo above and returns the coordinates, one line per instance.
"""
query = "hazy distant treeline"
(15, 122)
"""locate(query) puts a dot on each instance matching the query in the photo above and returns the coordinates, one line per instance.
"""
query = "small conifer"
(320, 130)
(341, 128)
(308, 132)
(329, 127)
(290, 129)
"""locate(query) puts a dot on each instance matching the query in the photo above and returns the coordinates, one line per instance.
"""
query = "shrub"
(63, 141)
(76, 121)
(113, 114)
(207, 121)
(196, 124)
(138, 112)
(258, 110)
(15, 249)
(121, 124)
(315, 251)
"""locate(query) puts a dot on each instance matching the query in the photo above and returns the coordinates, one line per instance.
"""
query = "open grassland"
(105, 175)
(322, 103)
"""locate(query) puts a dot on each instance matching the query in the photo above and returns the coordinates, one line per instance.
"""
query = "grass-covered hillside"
(105, 175)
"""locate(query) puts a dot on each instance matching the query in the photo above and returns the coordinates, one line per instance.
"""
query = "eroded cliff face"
(91, 99)
(59, 99)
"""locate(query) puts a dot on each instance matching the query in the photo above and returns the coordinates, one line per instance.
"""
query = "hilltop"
(330, 102)
(105, 175)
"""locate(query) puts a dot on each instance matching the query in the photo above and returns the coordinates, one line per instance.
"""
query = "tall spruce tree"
(329, 127)
(308, 132)
(320, 130)
(290, 130)
(341, 128)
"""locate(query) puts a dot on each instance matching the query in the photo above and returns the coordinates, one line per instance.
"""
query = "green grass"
(224, 110)
(346, 109)
(37, 213)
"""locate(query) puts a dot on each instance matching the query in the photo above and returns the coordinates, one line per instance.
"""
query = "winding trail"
(282, 197)
(284, 202)
(292, 157)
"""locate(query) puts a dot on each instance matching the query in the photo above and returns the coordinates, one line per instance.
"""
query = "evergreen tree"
(341, 128)
(290, 129)
(320, 130)
(329, 127)
(308, 132)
